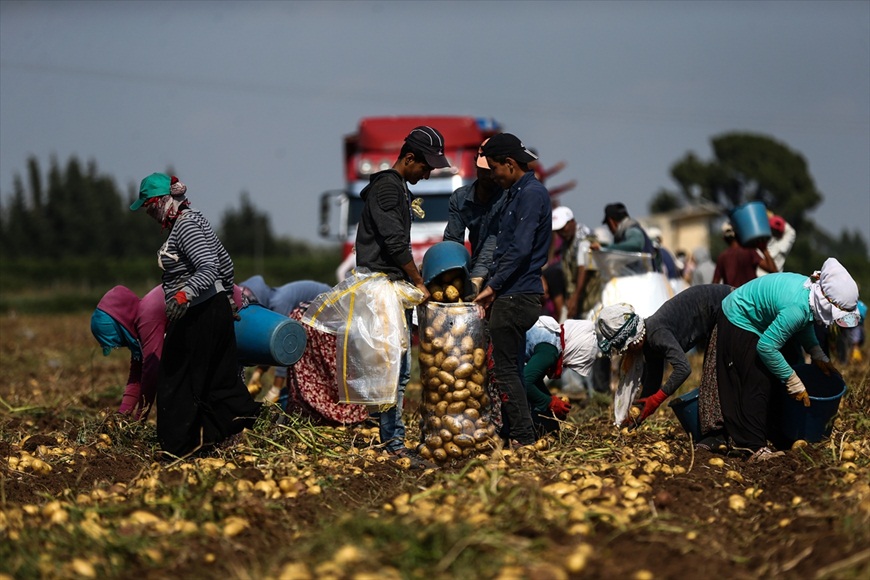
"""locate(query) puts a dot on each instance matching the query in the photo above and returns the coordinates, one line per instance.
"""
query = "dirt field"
(83, 494)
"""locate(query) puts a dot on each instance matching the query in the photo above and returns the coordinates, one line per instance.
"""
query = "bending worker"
(755, 322)
(683, 322)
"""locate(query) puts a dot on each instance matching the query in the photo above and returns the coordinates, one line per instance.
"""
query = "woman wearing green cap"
(201, 398)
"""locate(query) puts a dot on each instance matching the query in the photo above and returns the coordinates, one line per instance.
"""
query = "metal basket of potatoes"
(456, 412)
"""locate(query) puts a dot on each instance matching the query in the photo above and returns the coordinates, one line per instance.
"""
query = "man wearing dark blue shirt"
(476, 208)
(514, 291)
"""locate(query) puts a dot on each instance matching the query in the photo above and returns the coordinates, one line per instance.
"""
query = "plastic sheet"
(366, 312)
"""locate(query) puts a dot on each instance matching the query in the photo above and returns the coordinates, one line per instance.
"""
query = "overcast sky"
(256, 96)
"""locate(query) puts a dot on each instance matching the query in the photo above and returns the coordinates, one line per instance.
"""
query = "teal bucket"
(750, 222)
(685, 407)
(793, 421)
(264, 337)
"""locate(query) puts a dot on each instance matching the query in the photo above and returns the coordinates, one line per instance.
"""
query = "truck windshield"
(435, 205)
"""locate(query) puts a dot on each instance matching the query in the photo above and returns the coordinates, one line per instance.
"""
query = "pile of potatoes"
(448, 286)
(456, 408)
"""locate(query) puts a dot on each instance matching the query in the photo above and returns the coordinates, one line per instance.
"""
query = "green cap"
(155, 185)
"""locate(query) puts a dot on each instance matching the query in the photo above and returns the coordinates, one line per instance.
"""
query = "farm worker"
(755, 322)
(383, 244)
(475, 208)
(201, 397)
(782, 238)
(576, 243)
(550, 348)
(703, 268)
(282, 300)
(628, 235)
(736, 265)
(682, 323)
(513, 294)
(122, 320)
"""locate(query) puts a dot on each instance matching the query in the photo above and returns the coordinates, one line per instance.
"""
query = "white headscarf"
(833, 295)
(618, 327)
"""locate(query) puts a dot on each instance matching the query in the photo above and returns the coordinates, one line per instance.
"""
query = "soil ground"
(84, 492)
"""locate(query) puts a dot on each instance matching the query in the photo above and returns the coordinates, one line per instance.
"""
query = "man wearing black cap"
(514, 291)
(383, 244)
(628, 235)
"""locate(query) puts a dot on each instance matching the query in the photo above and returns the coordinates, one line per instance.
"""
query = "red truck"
(374, 147)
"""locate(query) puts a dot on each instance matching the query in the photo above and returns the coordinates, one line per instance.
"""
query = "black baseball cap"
(614, 211)
(507, 145)
(430, 142)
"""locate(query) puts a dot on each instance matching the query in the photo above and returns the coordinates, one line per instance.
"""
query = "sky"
(257, 96)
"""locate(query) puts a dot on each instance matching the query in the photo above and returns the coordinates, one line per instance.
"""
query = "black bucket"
(792, 420)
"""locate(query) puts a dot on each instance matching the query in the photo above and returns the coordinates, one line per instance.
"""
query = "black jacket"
(383, 236)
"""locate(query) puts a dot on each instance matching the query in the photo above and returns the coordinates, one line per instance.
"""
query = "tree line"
(71, 228)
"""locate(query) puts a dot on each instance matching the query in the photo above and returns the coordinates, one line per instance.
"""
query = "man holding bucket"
(755, 322)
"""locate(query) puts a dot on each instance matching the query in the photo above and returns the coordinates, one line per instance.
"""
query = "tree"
(247, 231)
(749, 167)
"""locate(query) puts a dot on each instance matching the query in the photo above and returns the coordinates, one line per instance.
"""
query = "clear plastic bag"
(366, 312)
(630, 375)
(456, 412)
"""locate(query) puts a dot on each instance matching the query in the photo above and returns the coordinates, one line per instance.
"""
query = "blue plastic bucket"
(444, 256)
(794, 421)
(750, 222)
(264, 337)
(685, 407)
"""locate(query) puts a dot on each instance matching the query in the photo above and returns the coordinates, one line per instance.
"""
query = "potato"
(441, 408)
(459, 384)
(448, 396)
(467, 345)
(445, 435)
(460, 327)
(439, 454)
(451, 293)
(472, 403)
(464, 440)
(466, 358)
(443, 389)
(478, 377)
(432, 371)
(433, 397)
(476, 390)
(480, 435)
(450, 364)
(438, 343)
(439, 359)
(456, 407)
(426, 346)
(439, 322)
(426, 360)
(461, 395)
(467, 425)
(452, 424)
(479, 358)
(424, 451)
(464, 371)
(434, 442)
(433, 423)
(453, 450)
(438, 295)
(472, 414)
(432, 383)
(429, 333)
(449, 343)
(446, 378)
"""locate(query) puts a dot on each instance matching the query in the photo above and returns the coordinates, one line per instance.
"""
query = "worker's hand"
(486, 297)
(648, 406)
(797, 390)
(559, 407)
(827, 367)
(177, 306)
(474, 286)
(254, 386)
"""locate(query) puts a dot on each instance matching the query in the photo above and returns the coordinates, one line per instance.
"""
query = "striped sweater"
(193, 259)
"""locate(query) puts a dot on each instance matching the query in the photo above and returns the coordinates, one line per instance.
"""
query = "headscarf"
(834, 295)
(111, 334)
(169, 206)
(618, 327)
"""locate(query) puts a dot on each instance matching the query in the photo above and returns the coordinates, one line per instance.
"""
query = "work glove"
(177, 306)
(474, 286)
(234, 308)
(559, 407)
(648, 407)
(821, 360)
(797, 390)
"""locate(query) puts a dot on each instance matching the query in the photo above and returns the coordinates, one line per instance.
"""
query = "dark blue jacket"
(525, 229)
(481, 221)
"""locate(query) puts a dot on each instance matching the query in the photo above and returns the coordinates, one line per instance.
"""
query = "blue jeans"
(511, 317)
(392, 429)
